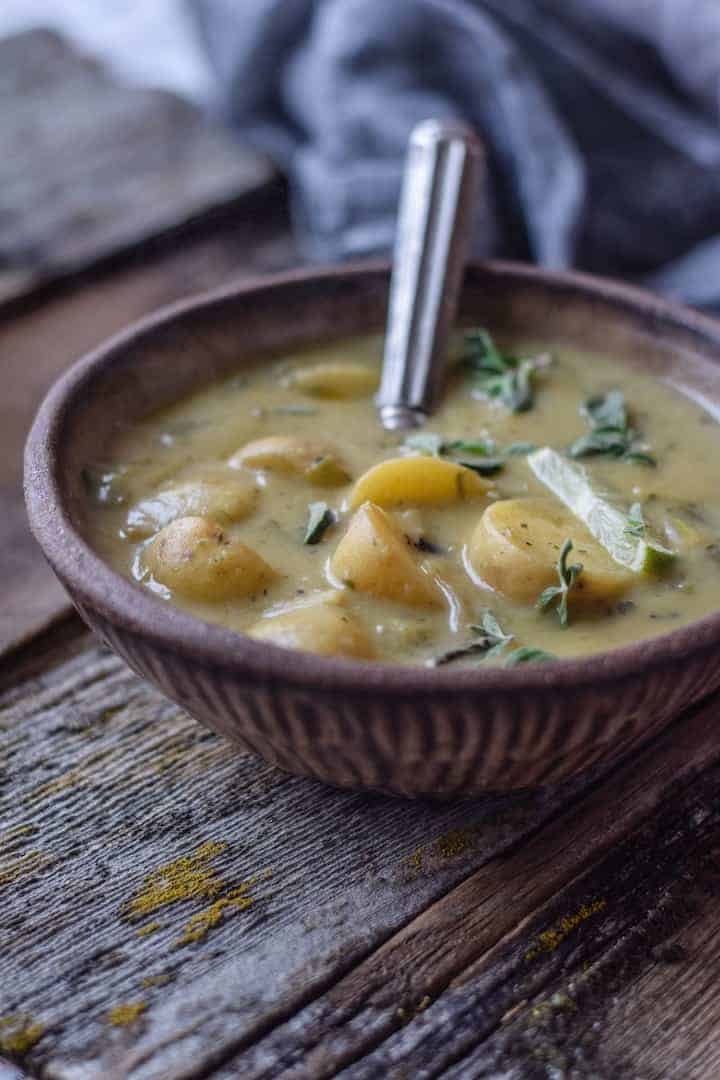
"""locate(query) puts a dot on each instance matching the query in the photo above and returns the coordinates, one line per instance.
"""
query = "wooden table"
(172, 909)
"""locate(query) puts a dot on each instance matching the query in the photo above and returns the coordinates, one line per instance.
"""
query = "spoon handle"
(433, 235)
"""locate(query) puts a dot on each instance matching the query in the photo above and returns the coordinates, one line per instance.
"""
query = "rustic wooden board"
(39, 339)
(674, 1000)
(11, 1072)
(90, 166)
(95, 173)
(325, 933)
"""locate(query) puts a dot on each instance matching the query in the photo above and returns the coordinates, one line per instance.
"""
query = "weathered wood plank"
(80, 183)
(666, 1023)
(11, 1072)
(39, 341)
(547, 997)
(103, 783)
(375, 909)
(63, 638)
(408, 999)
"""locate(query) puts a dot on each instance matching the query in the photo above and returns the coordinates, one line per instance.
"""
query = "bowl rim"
(125, 604)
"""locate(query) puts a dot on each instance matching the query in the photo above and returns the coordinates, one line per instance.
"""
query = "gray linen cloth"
(601, 119)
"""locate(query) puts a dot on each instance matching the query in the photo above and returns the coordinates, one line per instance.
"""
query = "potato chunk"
(327, 472)
(224, 501)
(193, 556)
(336, 380)
(376, 557)
(317, 461)
(515, 548)
(325, 629)
(420, 480)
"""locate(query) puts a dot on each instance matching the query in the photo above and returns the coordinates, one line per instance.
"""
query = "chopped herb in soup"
(555, 505)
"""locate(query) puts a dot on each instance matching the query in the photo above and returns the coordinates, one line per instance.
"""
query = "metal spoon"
(434, 229)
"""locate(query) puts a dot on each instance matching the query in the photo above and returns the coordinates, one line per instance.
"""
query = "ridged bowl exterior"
(466, 745)
(403, 730)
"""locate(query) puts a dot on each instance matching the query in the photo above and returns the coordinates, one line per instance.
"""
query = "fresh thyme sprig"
(567, 577)
(491, 639)
(610, 431)
(636, 522)
(491, 628)
(480, 455)
(527, 654)
(320, 518)
(500, 375)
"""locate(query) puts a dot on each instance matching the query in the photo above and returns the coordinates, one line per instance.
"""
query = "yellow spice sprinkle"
(551, 939)
(15, 832)
(543, 1012)
(67, 780)
(19, 1033)
(453, 843)
(156, 980)
(234, 901)
(28, 863)
(123, 1015)
(149, 928)
(415, 861)
(186, 878)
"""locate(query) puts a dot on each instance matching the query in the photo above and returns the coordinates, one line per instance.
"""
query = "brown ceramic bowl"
(407, 730)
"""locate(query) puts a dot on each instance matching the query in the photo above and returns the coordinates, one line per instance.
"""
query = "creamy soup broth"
(430, 598)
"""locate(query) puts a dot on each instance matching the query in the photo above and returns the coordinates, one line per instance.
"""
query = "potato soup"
(555, 505)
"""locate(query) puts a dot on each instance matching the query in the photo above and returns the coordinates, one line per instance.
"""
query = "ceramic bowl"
(406, 730)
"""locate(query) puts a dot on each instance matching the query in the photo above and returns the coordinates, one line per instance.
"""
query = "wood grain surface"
(42, 336)
(132, 199)
(91, 166)
(173, 909)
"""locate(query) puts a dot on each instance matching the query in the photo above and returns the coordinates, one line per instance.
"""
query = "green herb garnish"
(480, 455)
(483, 466)
(480, 646)
(610, 432)
(481, 448)
(491, 639)
(567, 576)
(481, 459)
(607, 410)
(320, 518)
(492, 628)
(636, 522)
(426, 443)
(499, 375)
(517, 449)
(294, 410)
(526, 654)
(639, 457)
